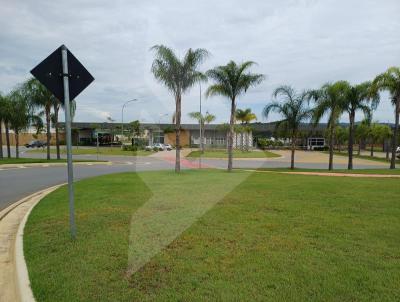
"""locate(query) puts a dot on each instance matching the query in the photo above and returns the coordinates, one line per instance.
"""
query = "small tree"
(362, 133)
(341, 136)
(20, 115)
(202, 120)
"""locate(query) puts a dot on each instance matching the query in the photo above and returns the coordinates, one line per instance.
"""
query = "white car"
(159, 146)
(168, 147)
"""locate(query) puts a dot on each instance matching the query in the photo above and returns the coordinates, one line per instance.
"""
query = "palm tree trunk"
(178, 133)
(351, 141)
(293, 150)
(1, 139)
(56, 109)
(395, 133)
(8, 139)
(331, 149)
(372, 148)
(230, 139)
(16, 144)
(48, 134)
(387, 148)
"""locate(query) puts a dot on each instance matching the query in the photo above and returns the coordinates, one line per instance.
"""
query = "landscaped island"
(93, 151)
(236, 154)
(271, 236)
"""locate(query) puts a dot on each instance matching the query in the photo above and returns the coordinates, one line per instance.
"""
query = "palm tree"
(231, 81)
(5, 111)
(41, 97)
(202, 119)
(54, 119)
(357, 98)
(178, 76)
(2, 113)
(330, 99)
(390, 81)
(294, 110)
(20, 114)
(245, 117)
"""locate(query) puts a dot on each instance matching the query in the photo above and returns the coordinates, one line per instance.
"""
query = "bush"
(129, 148)
(324, 148)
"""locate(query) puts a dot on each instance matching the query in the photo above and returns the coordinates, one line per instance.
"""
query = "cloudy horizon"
(303, 43)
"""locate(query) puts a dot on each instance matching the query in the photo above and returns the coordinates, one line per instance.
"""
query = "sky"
(303, 43)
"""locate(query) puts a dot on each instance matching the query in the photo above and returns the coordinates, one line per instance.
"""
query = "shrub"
(324, 148)
(129, 148)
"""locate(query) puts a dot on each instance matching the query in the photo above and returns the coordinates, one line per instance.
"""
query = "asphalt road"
(16, 183)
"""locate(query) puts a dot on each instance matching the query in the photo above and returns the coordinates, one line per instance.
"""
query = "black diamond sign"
(49, 73)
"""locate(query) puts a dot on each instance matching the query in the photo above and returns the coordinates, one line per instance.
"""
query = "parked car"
(159, 146)
(168, 147)
(36, 144)
(398, 152)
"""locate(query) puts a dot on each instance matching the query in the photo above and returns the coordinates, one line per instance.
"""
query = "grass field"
(271, 237)
(355, 171)
(236, 154)
(93, 151)
(373, 158)
(24, 160)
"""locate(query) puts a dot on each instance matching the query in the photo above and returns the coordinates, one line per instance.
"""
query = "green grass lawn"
(93, 151)
(355, 171)
(355, 155)
(24, 160)
(272, 237)
(236, 154)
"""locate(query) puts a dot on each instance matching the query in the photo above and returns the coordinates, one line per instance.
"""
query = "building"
(215, 136)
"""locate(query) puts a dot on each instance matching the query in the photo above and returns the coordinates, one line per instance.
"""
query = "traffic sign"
(50, 73)
(65, 77)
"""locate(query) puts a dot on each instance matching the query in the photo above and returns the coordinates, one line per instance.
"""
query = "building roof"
(257, 127)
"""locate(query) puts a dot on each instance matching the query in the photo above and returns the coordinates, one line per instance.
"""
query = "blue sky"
(302, 43)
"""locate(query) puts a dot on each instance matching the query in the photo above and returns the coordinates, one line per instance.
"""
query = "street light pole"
(122, 115)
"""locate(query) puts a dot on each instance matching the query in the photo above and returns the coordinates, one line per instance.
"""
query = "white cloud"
(302, 43)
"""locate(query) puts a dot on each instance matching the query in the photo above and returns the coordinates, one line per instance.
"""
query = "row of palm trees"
(24, 107)
(233, 80)
(334, 100)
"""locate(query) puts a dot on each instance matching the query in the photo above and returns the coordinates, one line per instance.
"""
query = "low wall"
(25, 138)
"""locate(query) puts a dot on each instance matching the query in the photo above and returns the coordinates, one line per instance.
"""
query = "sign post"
(65, 77)
(64, 61)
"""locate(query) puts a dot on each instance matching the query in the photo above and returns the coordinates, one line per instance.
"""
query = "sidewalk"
(10, 220)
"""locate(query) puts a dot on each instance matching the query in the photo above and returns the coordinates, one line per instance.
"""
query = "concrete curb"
(24, 290)
(27, 165)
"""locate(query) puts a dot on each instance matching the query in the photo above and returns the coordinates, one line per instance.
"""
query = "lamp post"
(122, 115)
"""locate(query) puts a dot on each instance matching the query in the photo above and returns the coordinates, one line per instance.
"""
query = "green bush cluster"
(264, 143)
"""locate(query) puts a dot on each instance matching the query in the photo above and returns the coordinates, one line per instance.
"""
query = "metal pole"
(201, 131)
(97, 144)
(122, 122)
(69, 142)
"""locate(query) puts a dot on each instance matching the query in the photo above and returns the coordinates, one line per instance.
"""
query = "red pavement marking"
(186, 163)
